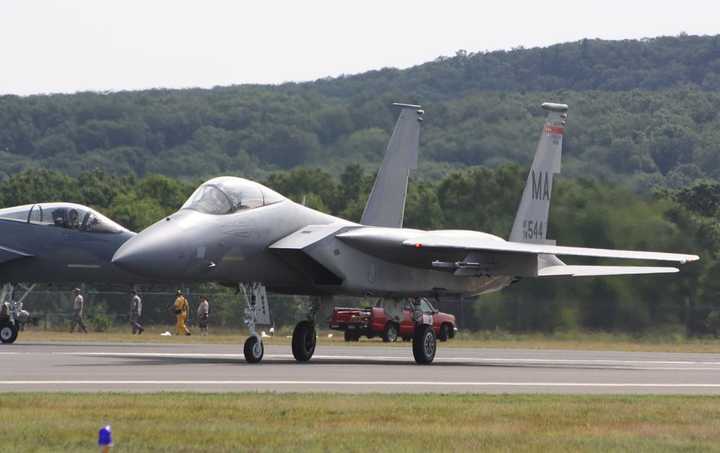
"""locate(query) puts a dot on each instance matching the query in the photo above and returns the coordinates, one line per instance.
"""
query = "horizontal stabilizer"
(470, 240)
(589, 271)
(7, 254)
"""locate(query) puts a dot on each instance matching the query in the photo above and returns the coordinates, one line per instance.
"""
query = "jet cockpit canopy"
(228, 194)
(64, 215)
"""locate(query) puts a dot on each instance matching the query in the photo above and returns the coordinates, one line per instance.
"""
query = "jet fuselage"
(289, 248)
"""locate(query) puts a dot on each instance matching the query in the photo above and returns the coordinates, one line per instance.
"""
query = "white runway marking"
(365, 383)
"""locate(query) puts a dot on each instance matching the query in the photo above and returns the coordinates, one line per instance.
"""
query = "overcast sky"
(75, 45)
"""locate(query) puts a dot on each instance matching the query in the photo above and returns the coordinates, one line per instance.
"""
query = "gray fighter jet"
(235, 231)
(54, 243)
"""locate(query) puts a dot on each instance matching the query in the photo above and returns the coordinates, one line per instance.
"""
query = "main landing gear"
(304, 340)
(424, 343)
(304, 337)
(424, 340)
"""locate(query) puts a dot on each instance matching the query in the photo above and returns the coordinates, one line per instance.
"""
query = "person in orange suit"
(182, 307)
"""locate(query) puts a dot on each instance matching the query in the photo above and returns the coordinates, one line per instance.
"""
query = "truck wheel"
(391, 333)
(254, 349)
(424, 344)
(304, 341)
(351, 336)
(444, 332)
(8, 333)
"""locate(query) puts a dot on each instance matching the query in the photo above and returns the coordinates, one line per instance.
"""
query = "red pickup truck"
(374, 322)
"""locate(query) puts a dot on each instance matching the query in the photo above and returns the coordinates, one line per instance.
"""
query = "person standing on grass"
(203, 313)
(182, 307)
(78, 309)
(136, 313)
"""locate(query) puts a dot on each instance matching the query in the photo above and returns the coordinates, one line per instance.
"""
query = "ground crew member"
(136, 313)
(181, 312)
(78, 309)
(203, 313)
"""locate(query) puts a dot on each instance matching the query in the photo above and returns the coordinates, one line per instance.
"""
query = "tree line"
(642, 112)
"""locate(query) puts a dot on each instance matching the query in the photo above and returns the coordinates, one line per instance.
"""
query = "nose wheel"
(8, 333)
(257, 311)
(254, 349)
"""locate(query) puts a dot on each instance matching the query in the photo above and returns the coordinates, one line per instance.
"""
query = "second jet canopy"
(64, 215)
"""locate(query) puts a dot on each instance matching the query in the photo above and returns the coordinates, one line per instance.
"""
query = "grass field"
(178, 422)
(572, 340)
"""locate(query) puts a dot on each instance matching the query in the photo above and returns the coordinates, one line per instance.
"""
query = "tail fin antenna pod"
(386, 205)
(531, 220)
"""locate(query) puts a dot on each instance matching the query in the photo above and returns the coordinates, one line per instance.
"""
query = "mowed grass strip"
(183, 422)
(591, 341)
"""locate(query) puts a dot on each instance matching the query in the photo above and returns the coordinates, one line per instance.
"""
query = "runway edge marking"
(359, 383)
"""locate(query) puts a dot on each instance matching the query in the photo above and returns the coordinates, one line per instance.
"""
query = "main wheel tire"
(390, 334)
(8, 333)
(444, 332)
(254, 350)
(303, 341)
(424, 344)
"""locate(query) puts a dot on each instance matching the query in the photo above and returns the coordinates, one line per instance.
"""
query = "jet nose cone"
(156, 252)
(128, 256)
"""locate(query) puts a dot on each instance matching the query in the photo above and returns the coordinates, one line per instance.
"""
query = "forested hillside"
(641, 163)
(644, 112)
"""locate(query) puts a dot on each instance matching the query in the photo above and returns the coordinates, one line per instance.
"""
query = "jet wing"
(468, 253)
(8, 254)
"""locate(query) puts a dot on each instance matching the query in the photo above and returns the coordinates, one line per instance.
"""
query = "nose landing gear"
(12, 314)
(257, 311)
(8, 332)
(253, 349)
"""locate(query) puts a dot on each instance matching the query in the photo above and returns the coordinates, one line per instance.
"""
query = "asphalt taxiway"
(352, 369)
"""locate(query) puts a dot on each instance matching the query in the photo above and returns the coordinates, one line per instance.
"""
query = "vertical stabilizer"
(386, 205)
(531, 220)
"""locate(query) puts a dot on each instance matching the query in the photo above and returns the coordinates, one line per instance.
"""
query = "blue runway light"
(105, 436)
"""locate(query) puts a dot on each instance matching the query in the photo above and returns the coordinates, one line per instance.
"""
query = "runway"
(350, 369)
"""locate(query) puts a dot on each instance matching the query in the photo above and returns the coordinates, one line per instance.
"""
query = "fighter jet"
(233, 230)
(54, 243)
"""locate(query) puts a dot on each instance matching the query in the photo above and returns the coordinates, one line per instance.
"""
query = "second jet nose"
(158, 251)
